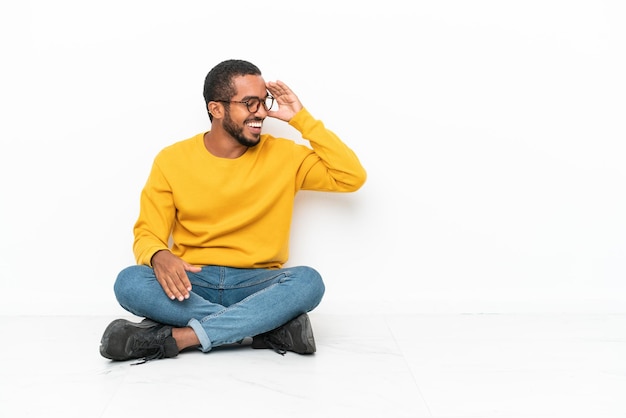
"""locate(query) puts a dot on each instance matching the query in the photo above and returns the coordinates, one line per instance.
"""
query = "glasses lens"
(269, 102)
(253, 104)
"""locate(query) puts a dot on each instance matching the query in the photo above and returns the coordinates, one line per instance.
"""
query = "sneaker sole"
(306, 335)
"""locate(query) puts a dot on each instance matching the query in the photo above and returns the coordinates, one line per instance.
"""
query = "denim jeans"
(225, 304)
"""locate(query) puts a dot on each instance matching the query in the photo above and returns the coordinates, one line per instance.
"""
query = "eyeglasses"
(253, 103)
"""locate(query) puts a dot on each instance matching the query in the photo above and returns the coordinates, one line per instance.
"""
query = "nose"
(261, 112)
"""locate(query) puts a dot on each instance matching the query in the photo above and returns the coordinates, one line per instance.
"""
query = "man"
(224, 200)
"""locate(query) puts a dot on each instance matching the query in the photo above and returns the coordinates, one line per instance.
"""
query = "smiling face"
(241, 124)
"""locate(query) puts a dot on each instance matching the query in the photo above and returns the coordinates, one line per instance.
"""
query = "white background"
(492, 132)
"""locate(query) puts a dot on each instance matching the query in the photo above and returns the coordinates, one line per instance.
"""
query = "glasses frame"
(248, 104)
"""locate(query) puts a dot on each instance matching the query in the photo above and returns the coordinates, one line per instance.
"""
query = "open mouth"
(255, 126)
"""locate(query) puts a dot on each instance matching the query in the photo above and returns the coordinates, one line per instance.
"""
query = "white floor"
(456, 366)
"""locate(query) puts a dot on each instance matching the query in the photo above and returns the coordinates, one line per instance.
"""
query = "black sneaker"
(296, 335)
(147, 340)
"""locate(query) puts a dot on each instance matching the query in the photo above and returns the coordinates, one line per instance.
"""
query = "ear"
(216, 109)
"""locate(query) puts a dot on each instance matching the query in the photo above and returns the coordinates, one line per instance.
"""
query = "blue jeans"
(225, 304)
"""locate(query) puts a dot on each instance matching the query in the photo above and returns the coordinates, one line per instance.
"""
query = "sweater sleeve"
(153, 226)
(332, 166)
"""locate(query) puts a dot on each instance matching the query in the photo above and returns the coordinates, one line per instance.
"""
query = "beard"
(237, 132)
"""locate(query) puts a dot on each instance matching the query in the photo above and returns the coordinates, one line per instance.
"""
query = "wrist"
(153, 255)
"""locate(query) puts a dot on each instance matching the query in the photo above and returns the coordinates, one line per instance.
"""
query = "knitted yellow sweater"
(237, 212)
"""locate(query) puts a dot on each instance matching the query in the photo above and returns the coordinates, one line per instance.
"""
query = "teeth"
(255, 124)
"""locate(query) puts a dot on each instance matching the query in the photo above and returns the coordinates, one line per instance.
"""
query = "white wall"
(492, 131)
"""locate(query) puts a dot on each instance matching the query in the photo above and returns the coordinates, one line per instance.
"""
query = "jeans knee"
(125, 282)
(314, 283)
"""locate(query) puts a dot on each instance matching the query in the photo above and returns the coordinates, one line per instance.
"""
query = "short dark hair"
(218, 84)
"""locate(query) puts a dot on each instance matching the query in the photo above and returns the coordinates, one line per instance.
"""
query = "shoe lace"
(149, 344)
(275, 342)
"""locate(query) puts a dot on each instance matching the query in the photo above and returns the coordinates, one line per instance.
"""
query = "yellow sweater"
(237, 212)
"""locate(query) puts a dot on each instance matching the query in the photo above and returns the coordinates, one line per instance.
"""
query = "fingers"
(171, 273)
(175, 286)
(288, 102)
(278, 89)
(175, 282)
(193, 269)
(276, 86)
